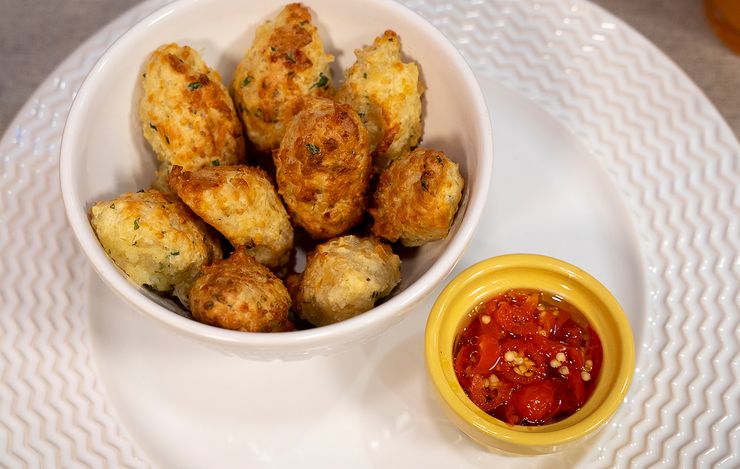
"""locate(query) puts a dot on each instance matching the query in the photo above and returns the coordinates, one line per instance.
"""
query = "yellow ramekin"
(488, 278)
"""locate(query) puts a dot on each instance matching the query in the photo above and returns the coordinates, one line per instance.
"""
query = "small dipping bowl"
(487, 279)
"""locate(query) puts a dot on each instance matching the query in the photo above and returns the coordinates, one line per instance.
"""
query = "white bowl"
(103, 153)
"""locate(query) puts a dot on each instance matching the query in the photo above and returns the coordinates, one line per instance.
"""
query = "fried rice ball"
(186, 113)
(285, 62)
(323, 168)
(386, 93)
(241, 294)
(241, 203)
(417, 198)
(344, 277)
(155, 240)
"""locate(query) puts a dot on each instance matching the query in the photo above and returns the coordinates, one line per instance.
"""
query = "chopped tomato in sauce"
(528, 358)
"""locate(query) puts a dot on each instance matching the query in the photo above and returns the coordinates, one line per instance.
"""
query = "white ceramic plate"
(606, 156)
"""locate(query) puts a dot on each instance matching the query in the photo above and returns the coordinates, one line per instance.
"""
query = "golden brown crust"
(241, 203)
(186, 113)
(386, 93)
(285, 62)
(240, 294)
(344, 277)
(155, 240)
(323, 168)
(417, 198)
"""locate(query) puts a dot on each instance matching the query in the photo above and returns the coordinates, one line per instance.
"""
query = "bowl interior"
(104, 153)
(497, 275)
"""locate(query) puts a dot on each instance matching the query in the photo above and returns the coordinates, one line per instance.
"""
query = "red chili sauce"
(528, 358)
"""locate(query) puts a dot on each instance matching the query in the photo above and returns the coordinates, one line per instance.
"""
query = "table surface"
(35, 36)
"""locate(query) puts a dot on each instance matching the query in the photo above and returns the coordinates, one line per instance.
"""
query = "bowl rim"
(492, 429)
(386, 313)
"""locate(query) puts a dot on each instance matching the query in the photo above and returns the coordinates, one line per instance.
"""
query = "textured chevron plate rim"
(674, 159)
